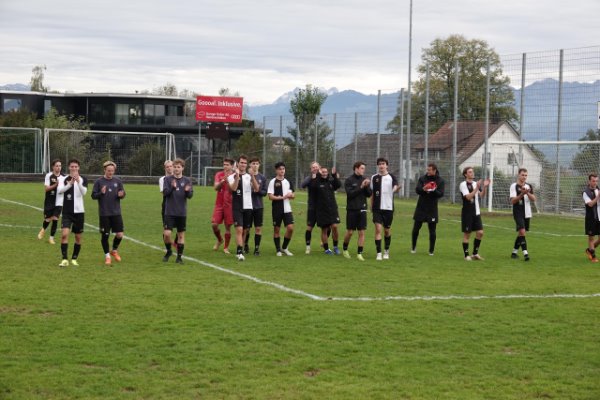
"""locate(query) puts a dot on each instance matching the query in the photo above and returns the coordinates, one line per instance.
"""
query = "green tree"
(587, 158)
(37, 79)
(250, 144)
(305, 106)
(473, 56)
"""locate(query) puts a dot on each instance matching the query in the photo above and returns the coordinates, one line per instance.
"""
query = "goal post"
(135, 153)
(557, 170)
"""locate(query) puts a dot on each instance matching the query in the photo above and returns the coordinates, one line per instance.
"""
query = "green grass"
(148, 330)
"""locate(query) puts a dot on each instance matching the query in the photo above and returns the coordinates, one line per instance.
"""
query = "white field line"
(334, 298)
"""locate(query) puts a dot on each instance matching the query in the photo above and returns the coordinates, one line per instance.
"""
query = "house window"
(513, 159)
(128, 114)
(436, 154)
(149, 114)
(486, 160)
(99, 113)
(12, 105)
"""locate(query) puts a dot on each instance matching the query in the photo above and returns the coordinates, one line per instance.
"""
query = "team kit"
(240, 189)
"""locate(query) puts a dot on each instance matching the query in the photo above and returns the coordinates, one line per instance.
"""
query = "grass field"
(303, 327)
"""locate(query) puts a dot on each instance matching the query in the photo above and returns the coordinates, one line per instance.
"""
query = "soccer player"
(358, 189)
(109, 191)
(257, 205)
(70, 190)
(280, 192)
(591, 195)
(177, 189)
(471, 192)
(222, 213)
(51, 210)
(311, 212)
(168, 172)
(383, 185)
(325, 185)
(430, 189)
(242, 185)
(521, 196)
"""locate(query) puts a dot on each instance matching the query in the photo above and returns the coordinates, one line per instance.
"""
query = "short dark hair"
(432, 165)
(465, 169)
(56, 160)
(255, 159)
(74, 160)
(242, 157)
(358, 165)
(592, 175)
(228, 160)
(179, 161)
(381, 159)
(521, 170)
(279, 164)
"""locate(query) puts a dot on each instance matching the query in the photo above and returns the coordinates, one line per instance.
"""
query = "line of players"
(240, 188)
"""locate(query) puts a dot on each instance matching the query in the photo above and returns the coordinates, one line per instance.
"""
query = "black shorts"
(113, 223)
(74, 222)
(286, 218)
(242, 218)
(592, 227)
(356, 220)
(471, 223)
(257, 217)
(54, 211)
(311, 217)
(172, 221)
(521, 222)
(383, 217)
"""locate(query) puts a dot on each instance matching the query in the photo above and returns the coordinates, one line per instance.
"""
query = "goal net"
(135, 153)
(20, 150)
(558, 172)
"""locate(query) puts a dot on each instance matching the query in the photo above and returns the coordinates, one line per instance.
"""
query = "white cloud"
(264, 48)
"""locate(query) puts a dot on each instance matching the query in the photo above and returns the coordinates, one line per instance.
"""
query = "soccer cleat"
(51, 240)
(167, 255)
(246, 249)
(514, 256)
(346, 254)
(526, 257)
(116, 255)
(468, 258)
(74, 263)
(413, 251)
(178, 260)
(307, 251)
(217, 245)
(226, 250)
(386, 255)
(240, 257)
(64, 263)
(287, 252)
(41, 234)
(360, 257)
(477, 257)
(256, 252)
(328, 252)
(589, 254)
(336, 251)
(279, 254)
(107, 260)
(594, 260)
(379, 257)
(431, 253)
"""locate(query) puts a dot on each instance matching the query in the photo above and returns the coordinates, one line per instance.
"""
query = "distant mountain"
(16, 87)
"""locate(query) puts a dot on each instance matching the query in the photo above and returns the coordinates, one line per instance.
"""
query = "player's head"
(178, 166)
(522, 175)
(280, 168)
(382, 165)
(432, 169)
(324, 172)
(242, 162)
(74, 166)
(228, 163)
(468, 172)
(109, 168)
(168, 167)
(359, 168)
(56, 165)
(314, 167)
(593, 180)
(255, 163)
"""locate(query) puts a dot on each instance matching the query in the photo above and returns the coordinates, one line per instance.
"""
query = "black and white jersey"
(71, 194)
(280, 188)
(470, 207)
(242, 196)
(591, 213)
(175, 196)
(382, 187)
(50, 198)
(521, 209)
(109, 202)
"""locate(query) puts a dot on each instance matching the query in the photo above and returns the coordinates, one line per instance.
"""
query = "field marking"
(335, 298)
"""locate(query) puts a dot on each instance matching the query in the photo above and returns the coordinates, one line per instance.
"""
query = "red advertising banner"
(219, 109)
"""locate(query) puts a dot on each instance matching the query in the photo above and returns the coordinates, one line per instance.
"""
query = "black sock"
(116, 242)
(180, 249)
(476, 244)
(378, 245)
(466, 249)
(104, 241)
(168, 247)
(277, 241)
(286, 242)
(326, 246)
(388, 241)
(64, 249)
(76, 248)
(335, 243)
(432, 238)
(53, 228)
(523, 243)
(345, 245)
(360, 249)
(240, 250)
(45, 224)
(517, 244)
(307, 237)
(247, 239)
(257, 239)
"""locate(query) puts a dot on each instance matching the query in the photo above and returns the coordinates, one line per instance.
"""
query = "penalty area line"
(336, 298)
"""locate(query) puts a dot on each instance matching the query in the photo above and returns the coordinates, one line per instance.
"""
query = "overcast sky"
(264, 48)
